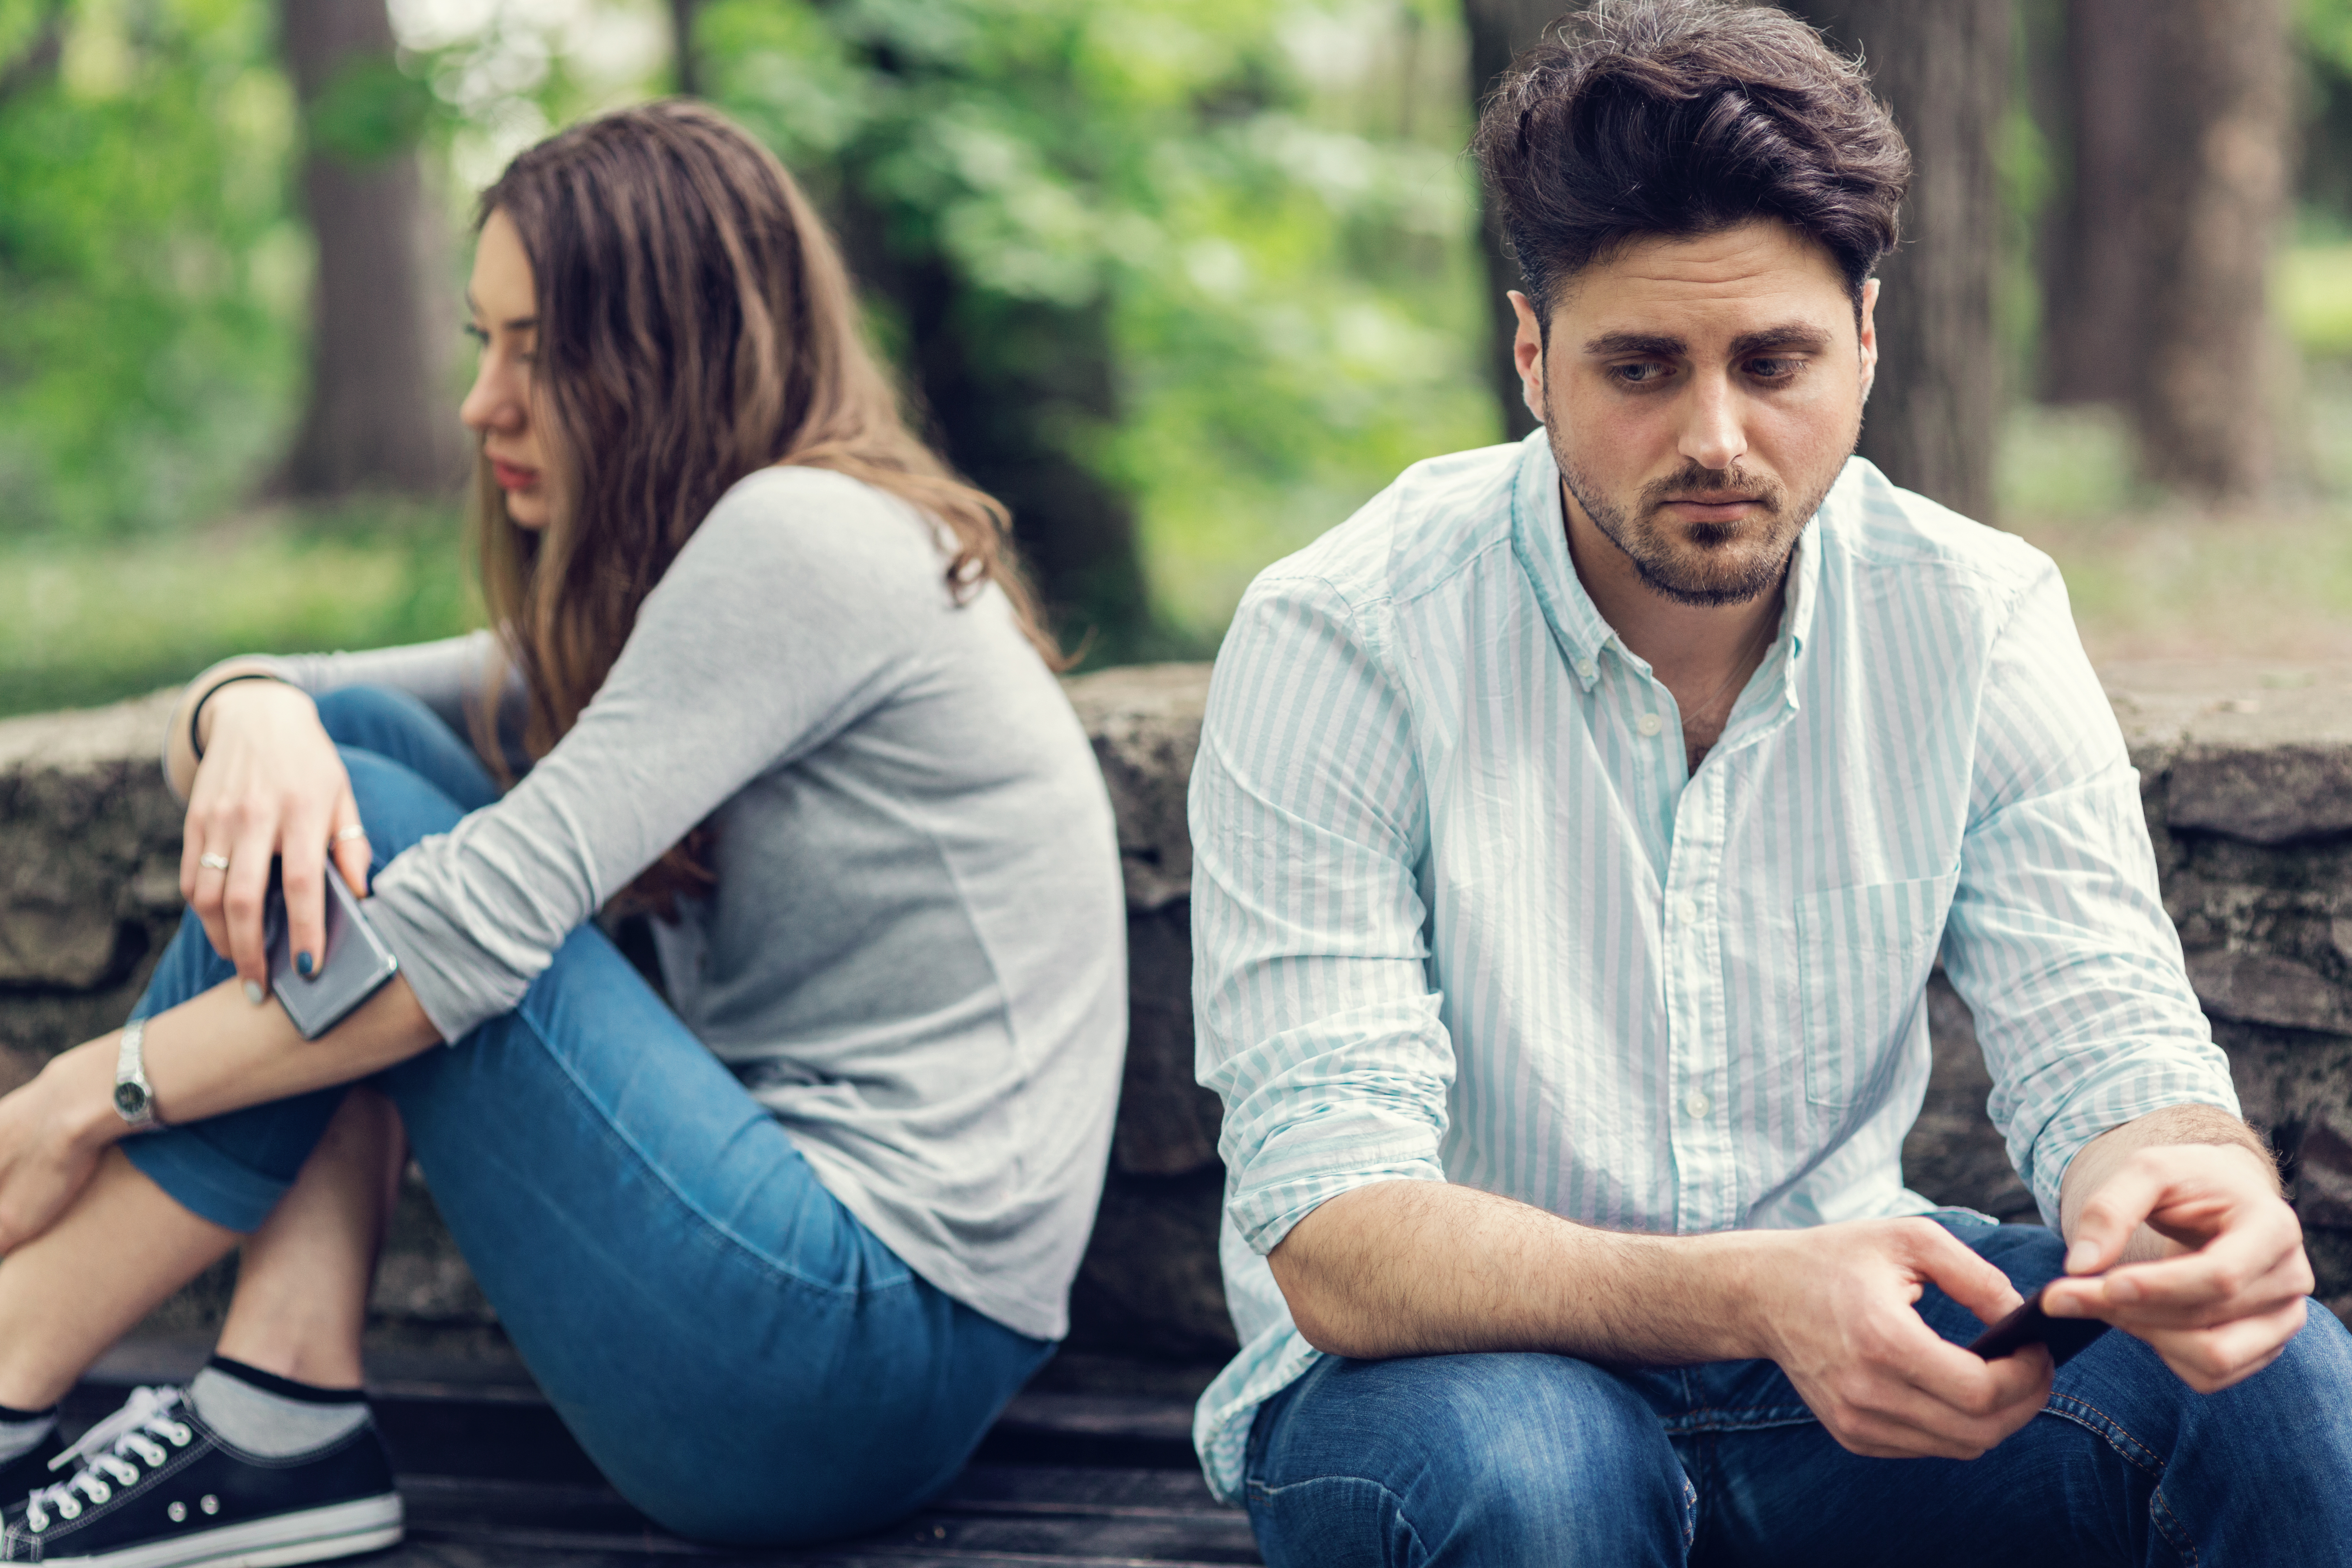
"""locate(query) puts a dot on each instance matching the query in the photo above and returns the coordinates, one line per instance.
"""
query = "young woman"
(777, 1249)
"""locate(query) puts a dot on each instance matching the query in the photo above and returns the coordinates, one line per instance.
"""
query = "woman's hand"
(270, 783)
(52, 1132)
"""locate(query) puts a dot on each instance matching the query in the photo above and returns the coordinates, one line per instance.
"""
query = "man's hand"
(2225, 1289)
(52, 1132)
(1837, 1306)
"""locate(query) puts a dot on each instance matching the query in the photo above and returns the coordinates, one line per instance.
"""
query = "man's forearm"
(1428, 1267)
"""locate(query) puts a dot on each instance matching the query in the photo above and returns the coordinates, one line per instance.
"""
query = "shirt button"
(1697, 1104)
(1649, 723)
(1685, 911)
(1585, 668)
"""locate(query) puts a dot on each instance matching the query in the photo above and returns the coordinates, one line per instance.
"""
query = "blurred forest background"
(1185, 281)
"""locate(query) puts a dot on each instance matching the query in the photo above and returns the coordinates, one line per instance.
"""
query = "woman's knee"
(397, 806)
(398, 727)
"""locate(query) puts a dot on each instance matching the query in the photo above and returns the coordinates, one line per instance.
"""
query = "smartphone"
(353, 969)
(2030, 1325)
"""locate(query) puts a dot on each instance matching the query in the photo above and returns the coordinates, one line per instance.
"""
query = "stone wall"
(2246, 775)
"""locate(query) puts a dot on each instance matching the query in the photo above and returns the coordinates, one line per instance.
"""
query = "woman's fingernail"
(253, 992)
(304, 964)
(2122, 1292)
(2080, 1259)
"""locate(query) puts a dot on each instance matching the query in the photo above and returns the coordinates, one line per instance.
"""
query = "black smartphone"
(2030, 1325)
(353, 969)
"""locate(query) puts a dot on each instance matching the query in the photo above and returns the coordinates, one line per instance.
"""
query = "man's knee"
(1480, 1458)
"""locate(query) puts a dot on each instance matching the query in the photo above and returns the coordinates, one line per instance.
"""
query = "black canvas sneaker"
(152, 1487)
(30, 1468)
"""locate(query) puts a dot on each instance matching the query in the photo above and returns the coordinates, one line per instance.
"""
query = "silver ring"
(349, 830)
(212, 862)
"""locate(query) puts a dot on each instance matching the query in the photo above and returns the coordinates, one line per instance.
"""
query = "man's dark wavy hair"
(1683, 118)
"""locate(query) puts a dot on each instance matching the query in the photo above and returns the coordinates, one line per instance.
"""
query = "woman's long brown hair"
(695, 324)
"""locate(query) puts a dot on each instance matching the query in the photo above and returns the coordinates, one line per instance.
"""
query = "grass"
(84, 622)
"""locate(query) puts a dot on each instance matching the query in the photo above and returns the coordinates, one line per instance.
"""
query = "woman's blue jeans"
(1480, 1459)
(739, 1355)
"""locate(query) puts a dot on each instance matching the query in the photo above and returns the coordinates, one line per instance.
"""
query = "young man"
(1575, 830)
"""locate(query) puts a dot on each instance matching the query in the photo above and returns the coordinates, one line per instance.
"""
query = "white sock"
(21, 1431)
(273, 1416)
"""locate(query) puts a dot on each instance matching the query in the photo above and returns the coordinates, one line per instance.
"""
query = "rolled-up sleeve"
(1318, 1025)
(2058, 938)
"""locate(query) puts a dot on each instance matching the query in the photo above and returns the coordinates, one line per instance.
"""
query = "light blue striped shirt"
(1461, 910)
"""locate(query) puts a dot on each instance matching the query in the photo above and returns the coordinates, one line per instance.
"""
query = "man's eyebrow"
(1660, 345)
(1802, 336)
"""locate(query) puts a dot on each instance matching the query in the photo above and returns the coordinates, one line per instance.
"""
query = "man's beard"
(1696, 564)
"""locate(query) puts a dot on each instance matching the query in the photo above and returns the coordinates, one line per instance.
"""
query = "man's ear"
(1526, 353)
(1869, 322)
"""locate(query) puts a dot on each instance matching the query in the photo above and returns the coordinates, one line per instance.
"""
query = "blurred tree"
(2094, 253)
(147, 265)
(1501, 30)
(686, 60)
(2158, 259)
(2216, 140)
(1943, 67)
(377, 416)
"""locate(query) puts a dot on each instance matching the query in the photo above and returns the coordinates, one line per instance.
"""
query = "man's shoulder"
(1434, 519)
(1879, 526)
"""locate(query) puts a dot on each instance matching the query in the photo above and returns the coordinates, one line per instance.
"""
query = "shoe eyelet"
(210, 1504)
(70, 1509)
(178, 1512)
(98, 1491)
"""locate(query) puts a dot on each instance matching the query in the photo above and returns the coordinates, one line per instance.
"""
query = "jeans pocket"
(1862, 956)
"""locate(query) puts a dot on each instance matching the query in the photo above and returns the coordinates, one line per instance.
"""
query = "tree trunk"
(379, 417)
(1500, 31)
(1008, 384)
(2214, 196)
(2095, 250)
(1943, 67)
(685, 65)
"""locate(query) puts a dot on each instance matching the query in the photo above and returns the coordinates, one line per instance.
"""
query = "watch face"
(131, 1100)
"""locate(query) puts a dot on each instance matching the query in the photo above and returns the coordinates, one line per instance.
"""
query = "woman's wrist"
(78, 1085)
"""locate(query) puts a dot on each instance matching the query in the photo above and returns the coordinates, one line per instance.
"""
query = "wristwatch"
(134, 1101)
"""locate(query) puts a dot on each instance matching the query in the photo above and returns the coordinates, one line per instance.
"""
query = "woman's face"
(505, 307)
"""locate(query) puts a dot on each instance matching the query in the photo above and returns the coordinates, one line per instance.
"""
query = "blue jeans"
(737, 1352)
(1477, 1459)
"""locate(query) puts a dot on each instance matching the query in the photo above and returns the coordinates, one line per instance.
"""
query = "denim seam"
(2072, 1407)
(1737, 1420)
(710, 1222)
(1267, 1494)
(2167, 1524)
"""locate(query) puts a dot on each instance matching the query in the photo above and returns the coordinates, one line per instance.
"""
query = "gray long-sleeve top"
(914, 955)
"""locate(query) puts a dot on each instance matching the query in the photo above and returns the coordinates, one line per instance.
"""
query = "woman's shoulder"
(801, 531)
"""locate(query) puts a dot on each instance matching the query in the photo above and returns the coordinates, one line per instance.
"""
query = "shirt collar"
(1539, 539)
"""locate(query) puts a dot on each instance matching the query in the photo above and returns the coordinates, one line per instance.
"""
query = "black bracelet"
(197, 713)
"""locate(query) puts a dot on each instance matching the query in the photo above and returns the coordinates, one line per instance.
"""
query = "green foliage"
(372, 110)
(150, 273)
(1293, 305)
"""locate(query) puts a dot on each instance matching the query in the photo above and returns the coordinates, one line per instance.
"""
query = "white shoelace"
(109, 1455)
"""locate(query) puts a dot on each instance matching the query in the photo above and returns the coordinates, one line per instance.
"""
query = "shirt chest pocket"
(1862, 957)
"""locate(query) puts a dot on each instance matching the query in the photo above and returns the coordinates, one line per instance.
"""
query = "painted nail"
(304, 964)
(253, 992)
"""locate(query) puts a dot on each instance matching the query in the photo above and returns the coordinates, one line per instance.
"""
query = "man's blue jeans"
(742, 1358)
(1518, 1459)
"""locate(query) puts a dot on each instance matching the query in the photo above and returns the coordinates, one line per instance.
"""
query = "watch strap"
(134, 1100)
